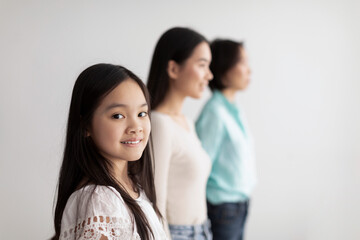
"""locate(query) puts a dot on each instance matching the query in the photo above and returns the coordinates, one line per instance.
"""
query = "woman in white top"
(106, 188)
(179, 69)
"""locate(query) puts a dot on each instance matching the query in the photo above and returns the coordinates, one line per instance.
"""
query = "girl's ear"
(87, 132)
(173, 69)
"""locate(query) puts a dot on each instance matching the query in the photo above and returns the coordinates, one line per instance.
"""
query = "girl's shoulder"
(98, 192)
(95, 200)
(96, 207)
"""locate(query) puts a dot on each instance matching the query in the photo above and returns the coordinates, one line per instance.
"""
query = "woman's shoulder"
(160, 121)
(213, 106)
(212, 111)
(159, 116)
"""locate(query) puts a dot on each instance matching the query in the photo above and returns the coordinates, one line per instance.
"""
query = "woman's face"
(120, 126)
(194, 74)
(238, 77)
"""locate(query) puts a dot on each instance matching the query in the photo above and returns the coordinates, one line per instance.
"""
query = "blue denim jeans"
(228, 220)
(191, 232)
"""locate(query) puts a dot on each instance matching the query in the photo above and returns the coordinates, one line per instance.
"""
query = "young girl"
(180, 69)
(106, 188)
(226, 137)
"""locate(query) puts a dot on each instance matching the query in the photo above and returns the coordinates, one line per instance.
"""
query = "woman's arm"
(162, 146)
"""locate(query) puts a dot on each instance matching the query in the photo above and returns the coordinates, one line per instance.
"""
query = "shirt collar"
(221, 98)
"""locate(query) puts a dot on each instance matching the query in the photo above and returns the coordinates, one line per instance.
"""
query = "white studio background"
(302, 104)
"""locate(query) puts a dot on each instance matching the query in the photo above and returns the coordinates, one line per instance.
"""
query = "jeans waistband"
(245, 202)
(196, 228)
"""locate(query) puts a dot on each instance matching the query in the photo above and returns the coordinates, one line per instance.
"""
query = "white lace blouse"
(92, 212)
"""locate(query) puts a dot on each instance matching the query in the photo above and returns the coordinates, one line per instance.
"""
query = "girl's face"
(120, 126)
(194, 74)
(238, 77)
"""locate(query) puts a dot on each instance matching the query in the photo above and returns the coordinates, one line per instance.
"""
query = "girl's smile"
(132, 142)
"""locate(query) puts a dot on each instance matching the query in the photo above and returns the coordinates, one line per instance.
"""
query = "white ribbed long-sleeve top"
(182, 168)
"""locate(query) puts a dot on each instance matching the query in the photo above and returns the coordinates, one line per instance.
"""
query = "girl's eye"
(117, 116)
(143, 114)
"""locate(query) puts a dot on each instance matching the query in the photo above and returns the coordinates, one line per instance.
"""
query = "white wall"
(302, 105)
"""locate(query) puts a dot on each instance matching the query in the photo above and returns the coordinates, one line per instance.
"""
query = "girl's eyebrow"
(121, 105)
(203, 60)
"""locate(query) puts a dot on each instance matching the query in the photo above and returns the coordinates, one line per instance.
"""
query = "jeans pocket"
(228, 213)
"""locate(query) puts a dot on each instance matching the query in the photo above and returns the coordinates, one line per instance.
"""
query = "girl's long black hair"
(175, 44)
(82, 161)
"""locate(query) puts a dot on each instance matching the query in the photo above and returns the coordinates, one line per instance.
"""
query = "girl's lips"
(131, 142)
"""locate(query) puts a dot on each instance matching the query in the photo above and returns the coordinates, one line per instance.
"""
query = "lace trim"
(94, 227)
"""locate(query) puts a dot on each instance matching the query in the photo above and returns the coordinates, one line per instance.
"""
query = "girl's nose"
(134, 127)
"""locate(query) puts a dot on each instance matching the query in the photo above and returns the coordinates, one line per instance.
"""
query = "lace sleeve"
(101, 226)
(95, 214)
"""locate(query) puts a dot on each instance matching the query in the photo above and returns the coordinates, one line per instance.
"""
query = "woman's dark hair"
(225, 54)
(175, 44)
(82, 161)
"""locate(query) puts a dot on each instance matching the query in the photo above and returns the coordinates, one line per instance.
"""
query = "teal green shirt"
(225, 136)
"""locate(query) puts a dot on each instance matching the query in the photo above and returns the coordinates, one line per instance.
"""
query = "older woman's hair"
(225, 54)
